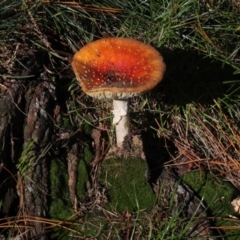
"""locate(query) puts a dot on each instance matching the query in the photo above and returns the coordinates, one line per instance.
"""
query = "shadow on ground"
(192, 77)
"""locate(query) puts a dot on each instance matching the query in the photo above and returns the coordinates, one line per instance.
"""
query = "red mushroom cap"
(117, 68)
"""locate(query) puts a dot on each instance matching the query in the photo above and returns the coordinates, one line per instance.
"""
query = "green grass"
(195, 108)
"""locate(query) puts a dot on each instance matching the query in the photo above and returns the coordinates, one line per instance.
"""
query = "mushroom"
(118, 69)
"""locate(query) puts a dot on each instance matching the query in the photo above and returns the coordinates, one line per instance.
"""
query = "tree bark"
(33, 170)
(10, 142)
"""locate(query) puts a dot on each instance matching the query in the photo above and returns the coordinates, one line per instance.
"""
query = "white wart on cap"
(117, 68)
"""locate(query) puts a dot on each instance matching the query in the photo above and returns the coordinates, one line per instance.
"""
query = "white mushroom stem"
(121, 120)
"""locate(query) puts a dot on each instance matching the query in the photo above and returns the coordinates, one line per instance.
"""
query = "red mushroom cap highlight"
(117, 68)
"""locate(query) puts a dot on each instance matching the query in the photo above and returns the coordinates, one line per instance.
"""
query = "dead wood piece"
(72, 160)
(100, 143)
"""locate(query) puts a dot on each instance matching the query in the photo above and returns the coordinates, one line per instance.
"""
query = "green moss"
(65, 123)
(126, 185)
(60, 207)
(217, 194)
(83, 173)
(87, 127)
(27, 158)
